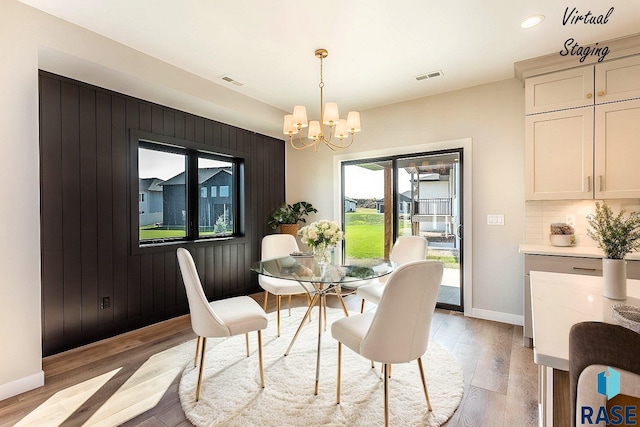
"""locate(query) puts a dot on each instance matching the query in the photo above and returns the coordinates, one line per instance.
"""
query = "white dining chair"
(221, 318)
(405, 249)
(398, 331)
(275, 246)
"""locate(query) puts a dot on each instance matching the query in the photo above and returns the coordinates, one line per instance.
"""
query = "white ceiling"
(376, 48)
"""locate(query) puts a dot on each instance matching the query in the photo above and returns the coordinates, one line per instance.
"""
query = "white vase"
(614, 273)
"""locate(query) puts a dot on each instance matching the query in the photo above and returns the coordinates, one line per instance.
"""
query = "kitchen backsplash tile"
(540, 214)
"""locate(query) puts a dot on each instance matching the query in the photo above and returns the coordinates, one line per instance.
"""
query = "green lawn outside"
(364, 234)
(364, 238)
(157, 233)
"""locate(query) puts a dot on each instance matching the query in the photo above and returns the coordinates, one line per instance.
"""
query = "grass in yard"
(364, 234)
(158, 233)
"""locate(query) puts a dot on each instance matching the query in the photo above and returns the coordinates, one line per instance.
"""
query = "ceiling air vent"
(429, 75)
(230, 80)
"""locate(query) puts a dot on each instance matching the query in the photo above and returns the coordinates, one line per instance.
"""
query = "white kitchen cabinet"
(581, 132)
(559, 155)
(558, 91)
(617, 80)
(617, 150)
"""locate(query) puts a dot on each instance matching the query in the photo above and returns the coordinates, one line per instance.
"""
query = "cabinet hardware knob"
(600, 93)
(589, 95)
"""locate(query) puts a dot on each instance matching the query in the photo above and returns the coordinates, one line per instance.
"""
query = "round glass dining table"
(319, 279)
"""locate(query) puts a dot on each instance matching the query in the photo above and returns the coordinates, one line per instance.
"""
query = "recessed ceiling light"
(532, 21)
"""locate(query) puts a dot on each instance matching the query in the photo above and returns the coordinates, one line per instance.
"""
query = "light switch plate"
(495, 219)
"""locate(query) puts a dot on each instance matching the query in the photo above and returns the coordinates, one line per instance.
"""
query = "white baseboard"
(21, 385)
(497, 316)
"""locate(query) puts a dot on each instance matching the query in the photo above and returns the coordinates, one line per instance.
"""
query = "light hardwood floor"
(130, 380)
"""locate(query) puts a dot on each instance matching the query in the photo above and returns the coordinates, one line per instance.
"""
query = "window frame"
(192, 151)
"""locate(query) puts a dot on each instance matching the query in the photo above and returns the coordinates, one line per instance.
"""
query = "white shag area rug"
(231, 395)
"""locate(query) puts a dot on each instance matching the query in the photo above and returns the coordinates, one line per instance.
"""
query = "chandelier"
(338, 128)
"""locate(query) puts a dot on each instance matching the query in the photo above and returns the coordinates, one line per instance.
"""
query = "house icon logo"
(609, 385)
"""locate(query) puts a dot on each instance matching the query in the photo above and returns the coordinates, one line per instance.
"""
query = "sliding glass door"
(418, 195)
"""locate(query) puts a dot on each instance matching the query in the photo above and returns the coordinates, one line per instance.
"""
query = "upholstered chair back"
(399, 331)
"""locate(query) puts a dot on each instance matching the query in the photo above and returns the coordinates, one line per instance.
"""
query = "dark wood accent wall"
(86, 214)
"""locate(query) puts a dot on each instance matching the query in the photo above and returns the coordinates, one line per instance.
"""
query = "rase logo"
(608, 384)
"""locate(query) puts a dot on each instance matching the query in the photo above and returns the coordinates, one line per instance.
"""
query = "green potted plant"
(288, 216)
(616, 235)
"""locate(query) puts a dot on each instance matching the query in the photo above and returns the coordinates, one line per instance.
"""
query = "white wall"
(29, 40)
(20, 357)
(492, 115)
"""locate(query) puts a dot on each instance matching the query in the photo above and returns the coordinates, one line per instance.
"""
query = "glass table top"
(305, 268)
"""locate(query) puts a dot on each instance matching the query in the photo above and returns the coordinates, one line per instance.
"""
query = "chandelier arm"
(334, 146)
(303, 145)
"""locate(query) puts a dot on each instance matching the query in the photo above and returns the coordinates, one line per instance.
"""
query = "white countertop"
(576, 251)
(558, 301)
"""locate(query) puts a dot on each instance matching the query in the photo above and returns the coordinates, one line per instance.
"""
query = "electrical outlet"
(570, 220)
(105, 303)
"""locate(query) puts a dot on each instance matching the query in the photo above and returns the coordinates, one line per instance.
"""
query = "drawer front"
(633, 270)
(562, 264)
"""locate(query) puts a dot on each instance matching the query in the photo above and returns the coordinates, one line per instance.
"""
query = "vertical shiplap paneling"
(198, 125)
(157, 272)
(169, 123)
(145, 116)
(207, 268)
(208, 133)
(157, 119)
(86, 204)
(51, 219)
(190, 128)
(134, 282)
(71, 241)
(147, 296)
(170, 279)
(88, 209)
(120, 180)
(105, 204)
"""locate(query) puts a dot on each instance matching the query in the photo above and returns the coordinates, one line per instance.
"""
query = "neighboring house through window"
(166, 210)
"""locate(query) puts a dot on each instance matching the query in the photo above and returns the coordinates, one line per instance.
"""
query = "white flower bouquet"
(320, 236)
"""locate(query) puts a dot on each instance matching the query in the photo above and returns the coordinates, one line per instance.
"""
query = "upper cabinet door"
(558, 91)
(618, 80)
(559, 155)
(617, 150)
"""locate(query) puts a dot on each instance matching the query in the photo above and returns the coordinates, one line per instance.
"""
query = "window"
(215, 214)
(180, 186)
(162, 173)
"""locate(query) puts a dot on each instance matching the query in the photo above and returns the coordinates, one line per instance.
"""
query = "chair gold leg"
(195, 359)
(246, 341)
(200, 372)
(386, 395)
(382, 370)
(339, 372)
(362, 306)
(278, 299)
(266, 297)
(424, 383)
(260, 358)
(289, 305)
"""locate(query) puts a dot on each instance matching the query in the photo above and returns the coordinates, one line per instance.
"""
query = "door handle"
(459, 231)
